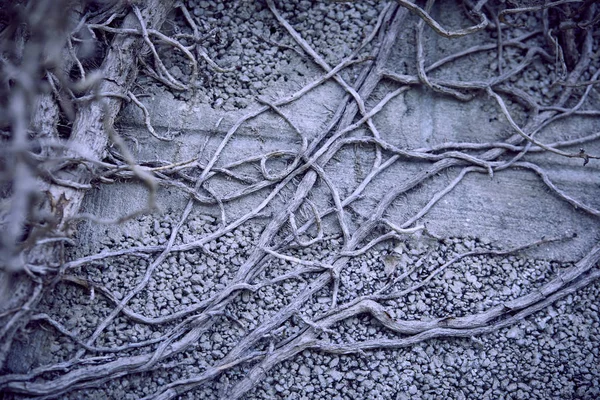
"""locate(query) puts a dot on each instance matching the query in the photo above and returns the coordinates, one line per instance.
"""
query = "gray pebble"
(336, 375)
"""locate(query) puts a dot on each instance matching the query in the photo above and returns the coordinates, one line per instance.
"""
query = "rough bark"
(89, 133)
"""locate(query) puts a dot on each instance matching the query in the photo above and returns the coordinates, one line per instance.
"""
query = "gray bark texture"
(90, 133)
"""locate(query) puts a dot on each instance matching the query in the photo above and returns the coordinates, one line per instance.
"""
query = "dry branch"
(285, 233)
(89, 131)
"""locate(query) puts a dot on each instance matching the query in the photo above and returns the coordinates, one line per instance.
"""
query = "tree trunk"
(89, 133)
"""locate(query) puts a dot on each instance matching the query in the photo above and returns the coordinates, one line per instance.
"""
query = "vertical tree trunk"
(119, 71)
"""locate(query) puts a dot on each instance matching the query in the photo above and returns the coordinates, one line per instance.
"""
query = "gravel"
(551, 354)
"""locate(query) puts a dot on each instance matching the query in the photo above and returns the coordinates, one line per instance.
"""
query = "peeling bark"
(89, 133)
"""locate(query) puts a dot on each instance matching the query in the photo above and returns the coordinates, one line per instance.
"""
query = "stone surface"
(538, 357)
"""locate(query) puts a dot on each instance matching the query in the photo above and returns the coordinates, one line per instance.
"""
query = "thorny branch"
(29, 171)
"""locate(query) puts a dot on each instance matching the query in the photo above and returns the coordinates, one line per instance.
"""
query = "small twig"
(318, 238)
(582, 154)
(337, 201)
(438, 28)
(438, 196)
(546, 179)
(296, 260)
(147, 122)
(421, 64)
(174, 83)
(206, 186)
(502, 15)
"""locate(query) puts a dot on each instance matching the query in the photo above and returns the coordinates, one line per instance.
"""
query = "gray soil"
(548, 352)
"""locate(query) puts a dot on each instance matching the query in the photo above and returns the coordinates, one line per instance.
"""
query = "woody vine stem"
(47, 171)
